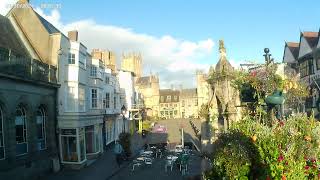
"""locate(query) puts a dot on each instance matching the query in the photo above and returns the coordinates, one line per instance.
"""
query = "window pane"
(69, 149)
(90, 139)
(82, 148)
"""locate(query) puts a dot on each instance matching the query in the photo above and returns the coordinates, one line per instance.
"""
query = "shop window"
(21, 131)
(41, 130)
(69, 145)
(1, 135)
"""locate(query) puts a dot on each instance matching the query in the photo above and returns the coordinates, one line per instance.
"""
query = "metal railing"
(26, 68)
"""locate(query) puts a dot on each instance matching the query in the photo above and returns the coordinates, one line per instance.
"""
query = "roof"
(146, 80)
(49, 27)
(189, 92)
(9, 39)
(294, 48)
(311, 38)
(223, 65)
(169, 93)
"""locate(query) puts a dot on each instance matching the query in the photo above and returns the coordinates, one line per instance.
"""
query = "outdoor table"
(147, 152)
(140, 158)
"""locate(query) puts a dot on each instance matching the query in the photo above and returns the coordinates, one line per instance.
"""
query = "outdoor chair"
(169, 163)
(159, 153)
(148, 161)
(135, 163)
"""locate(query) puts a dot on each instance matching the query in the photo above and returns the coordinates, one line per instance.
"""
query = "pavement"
(103, 168)
(156, 171)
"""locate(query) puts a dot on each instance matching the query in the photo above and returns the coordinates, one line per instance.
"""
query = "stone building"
(28, 107)
(169, 106)
(189, 103)
(107, 57)
(303, 56)
(132, 62)
(148, 86)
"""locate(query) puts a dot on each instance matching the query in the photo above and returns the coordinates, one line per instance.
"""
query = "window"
(70, 100)
(162, 113)
(196, 102)
(162, 99)
(82, 60)
(107, 100)
(175, 105)
(92, 139)
(94, 98)
(69, 148)
(93, 71)
(71, 58)
(107, 80)
(175, 98)
(168, 98)
(41, 130)
(1, 136)
(21, 132)
(306, 68)
(175, 112)
(166, 105)
(182, 103)
(82, 98)
(114, 102)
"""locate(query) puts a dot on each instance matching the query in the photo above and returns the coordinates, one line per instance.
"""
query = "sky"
(178, 37)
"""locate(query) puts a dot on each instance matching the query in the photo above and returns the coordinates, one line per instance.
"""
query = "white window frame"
(23, 112)
(82, 60)
(91, 97)
(82, 89)
(1, 123)
(67, 100)
(71, 58)
(108, 100)
(44, 117)
(93, 71)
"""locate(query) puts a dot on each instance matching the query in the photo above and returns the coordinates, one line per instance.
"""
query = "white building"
(80, 104)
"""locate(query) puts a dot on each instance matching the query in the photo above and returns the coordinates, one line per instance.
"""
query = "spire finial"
(222, 49)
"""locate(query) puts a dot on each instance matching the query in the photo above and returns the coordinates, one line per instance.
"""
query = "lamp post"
(123, 112)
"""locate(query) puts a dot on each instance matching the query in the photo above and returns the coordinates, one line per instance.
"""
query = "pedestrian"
(118, 152)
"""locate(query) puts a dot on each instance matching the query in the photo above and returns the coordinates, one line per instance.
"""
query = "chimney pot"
(73, 35)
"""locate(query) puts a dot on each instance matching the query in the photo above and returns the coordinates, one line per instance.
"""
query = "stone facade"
(28, 108)
(169, 104)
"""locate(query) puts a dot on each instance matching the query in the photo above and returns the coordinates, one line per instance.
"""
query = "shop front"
(72, 146)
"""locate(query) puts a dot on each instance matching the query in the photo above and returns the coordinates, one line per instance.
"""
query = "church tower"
(132, 62)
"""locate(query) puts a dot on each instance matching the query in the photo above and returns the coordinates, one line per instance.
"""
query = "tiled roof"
(9, 39)
(311, 38)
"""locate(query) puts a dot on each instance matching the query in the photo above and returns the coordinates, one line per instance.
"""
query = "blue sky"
(247, 27)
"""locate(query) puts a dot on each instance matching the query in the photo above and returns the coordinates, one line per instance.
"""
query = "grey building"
(28, 87)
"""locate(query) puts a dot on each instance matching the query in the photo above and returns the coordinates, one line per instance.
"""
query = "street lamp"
(123, 112)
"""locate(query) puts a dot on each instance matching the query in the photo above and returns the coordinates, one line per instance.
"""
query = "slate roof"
(188, 92)
(9, 39)
(143, 80)
(168, 92)
(294, 48)
(49, 27)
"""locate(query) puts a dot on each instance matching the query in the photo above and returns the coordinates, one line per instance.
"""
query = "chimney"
(73, 35)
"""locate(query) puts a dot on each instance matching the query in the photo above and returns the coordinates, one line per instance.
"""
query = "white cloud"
(174, 59)
(5, 6)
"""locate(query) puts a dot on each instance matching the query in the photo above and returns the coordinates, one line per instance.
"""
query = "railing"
(26, 68)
